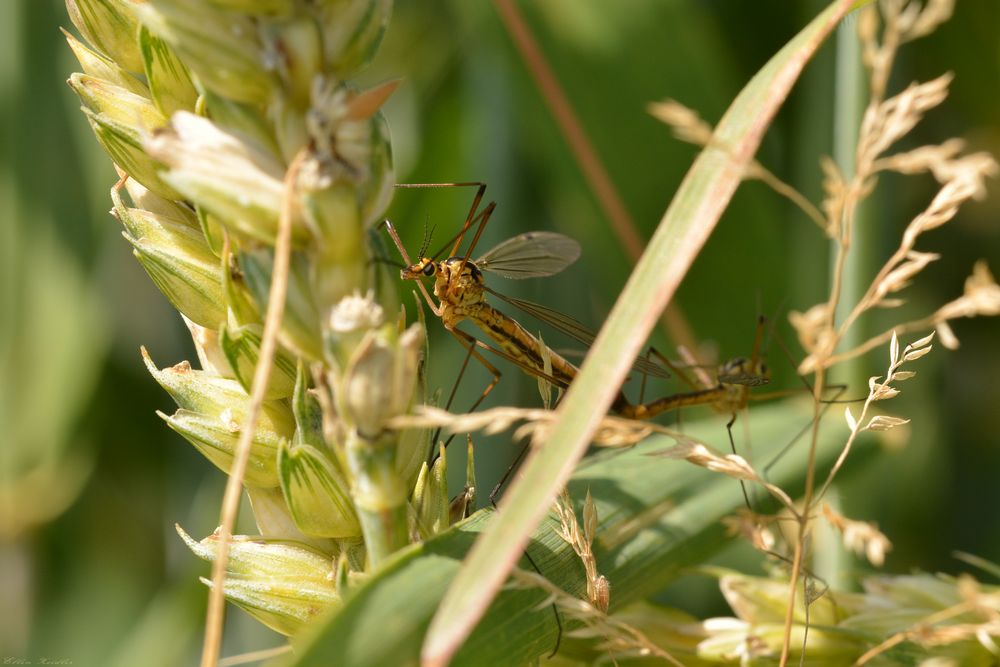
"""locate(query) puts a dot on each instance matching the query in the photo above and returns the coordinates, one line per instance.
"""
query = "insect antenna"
(428, 233)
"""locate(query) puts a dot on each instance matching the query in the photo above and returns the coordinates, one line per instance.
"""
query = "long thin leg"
(555, 609)
(732, 446)
(788, 355)
(805, 429)
(451, 396)
(388, 226)
(495, 493)
(755, 357)
(482, 219)
(464, 184)
(758, 339)
(838, 389)
(466, 339)
(461, 372)
(470, 218)
(493, 501)
(469, 343)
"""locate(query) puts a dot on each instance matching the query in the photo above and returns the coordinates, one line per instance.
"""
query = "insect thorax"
(743, 371)
(458, 285)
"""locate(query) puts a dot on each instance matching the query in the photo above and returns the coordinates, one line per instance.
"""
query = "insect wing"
(530, 255)
(573, 328)
(560, 321)
(746, 379)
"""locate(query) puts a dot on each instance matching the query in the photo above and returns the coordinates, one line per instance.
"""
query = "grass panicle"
(961, 176)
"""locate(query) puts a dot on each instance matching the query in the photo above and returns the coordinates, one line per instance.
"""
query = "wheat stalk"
(251, 171)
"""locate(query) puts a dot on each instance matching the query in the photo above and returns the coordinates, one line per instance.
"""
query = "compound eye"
(428, 269)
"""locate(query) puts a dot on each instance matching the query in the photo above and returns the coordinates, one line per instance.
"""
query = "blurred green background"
(92, 480)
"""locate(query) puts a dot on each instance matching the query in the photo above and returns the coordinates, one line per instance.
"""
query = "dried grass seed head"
(981, 296)
(859, 536)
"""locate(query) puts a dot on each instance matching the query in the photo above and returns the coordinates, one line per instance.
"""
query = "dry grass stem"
(731, 465)
(612, 432)
(860, 537)
(885, 121)
(751, 527)
(255, 656)
(262, 375)
(879, 391)
(688, 126)
(618, 638)
(981, 297)
(965, 179)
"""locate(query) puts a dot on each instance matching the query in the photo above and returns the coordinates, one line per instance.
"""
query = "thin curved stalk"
(262, 375)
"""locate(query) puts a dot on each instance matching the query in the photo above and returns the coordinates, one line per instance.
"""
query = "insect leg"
(469, 343)
(470, 219)
(467, 340)
(493, 501)
(406, 258)
(838, 390)
(482, 219)
(732, 446)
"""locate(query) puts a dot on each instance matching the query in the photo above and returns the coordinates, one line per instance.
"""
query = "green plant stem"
(846, 282)
(852, 257)
(798, 557)
(380, 495)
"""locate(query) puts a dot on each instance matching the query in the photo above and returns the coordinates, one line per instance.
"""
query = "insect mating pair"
(460, 291)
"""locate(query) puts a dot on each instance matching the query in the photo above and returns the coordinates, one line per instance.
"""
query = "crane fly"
(461, 293)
